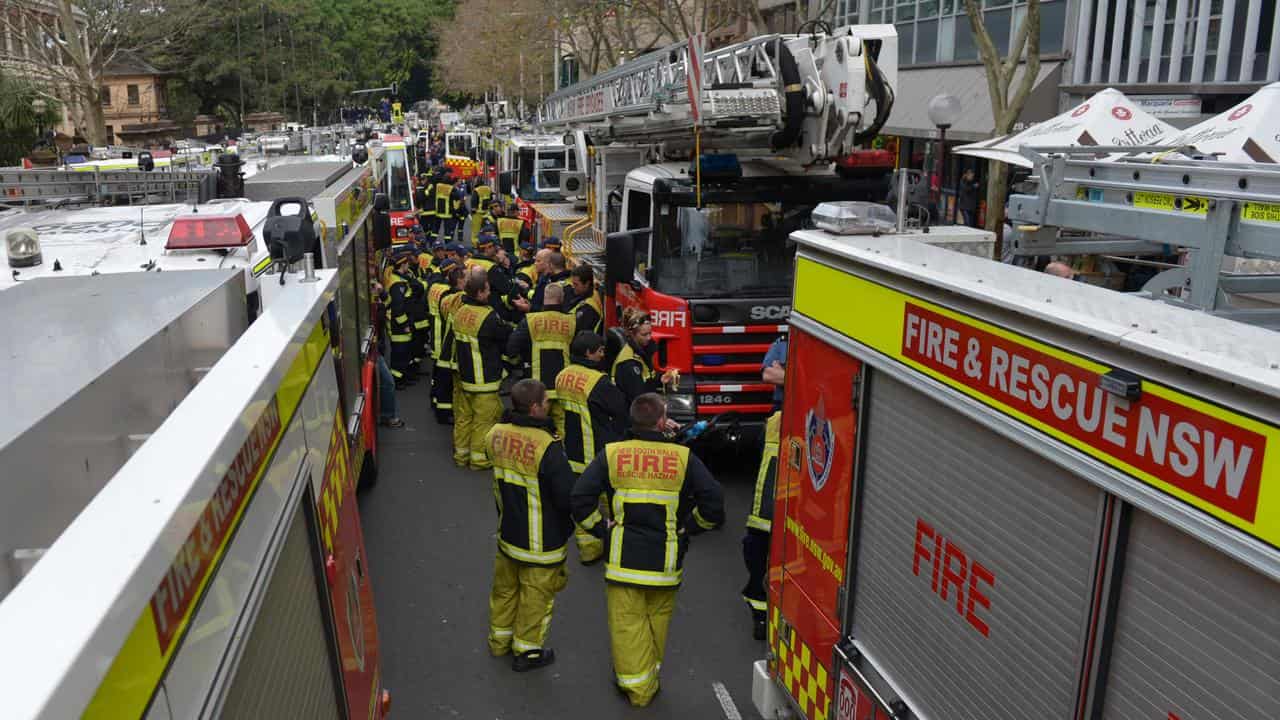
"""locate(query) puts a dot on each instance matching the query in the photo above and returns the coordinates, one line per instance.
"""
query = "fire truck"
(693, 226)
(1005, 495)
(528, 171)
(390, 158)
(462, 154)
(178, 518)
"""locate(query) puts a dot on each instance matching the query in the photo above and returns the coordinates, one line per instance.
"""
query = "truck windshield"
(546, 178)
(459, 145)
(398, 192)
(726, 248)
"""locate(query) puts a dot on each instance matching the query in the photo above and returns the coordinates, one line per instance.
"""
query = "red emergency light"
(861, 159)
(209, 232)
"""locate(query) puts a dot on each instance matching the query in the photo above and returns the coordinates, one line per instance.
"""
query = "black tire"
(368, 473)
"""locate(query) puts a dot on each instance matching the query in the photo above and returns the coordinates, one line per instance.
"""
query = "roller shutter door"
(286, 670)
(1014, 532)
(1197, 635)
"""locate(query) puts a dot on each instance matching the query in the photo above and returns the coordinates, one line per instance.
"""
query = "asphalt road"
(429, 529)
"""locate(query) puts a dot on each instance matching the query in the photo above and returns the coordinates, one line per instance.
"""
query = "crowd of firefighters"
(585, 448)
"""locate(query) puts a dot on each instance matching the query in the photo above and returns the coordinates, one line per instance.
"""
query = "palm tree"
(20, 124)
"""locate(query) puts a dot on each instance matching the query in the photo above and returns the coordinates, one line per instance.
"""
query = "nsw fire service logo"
(821, 443)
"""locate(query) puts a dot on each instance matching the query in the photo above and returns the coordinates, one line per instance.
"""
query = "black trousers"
(442, 390)
(755, 555)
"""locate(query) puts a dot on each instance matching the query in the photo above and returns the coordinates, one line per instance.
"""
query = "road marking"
(726, 701)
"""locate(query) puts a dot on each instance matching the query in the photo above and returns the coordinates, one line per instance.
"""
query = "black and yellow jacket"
(531, 485)
(761, 515)
(589, 313)
(542, 339)
(479, 339)
(437, 291)
(595, 411)
(633, 371)
(659, 493)
(399, 301)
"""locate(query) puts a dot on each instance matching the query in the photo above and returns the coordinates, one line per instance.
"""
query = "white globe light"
(944, 110)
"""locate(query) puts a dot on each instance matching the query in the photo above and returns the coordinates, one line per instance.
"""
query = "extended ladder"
(1226, 216)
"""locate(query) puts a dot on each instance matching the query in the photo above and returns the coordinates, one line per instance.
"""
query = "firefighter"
(556, 271)
(479, 338)
(531, 483)
(511, 229)
(440, 285)
(442, 195)
(458, 200)
(417, 306)
(399, 320)
(444, 379)
(661, 494)
(632, 369)
(426, 208)
(503, 296)
(481, 197)
(755, 544)
(592, 413)
(542, 341)
(588, 310)
(525, 271)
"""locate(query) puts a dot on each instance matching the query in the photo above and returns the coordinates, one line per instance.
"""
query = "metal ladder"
(62, 187)
(742, 81)
(1136, 206)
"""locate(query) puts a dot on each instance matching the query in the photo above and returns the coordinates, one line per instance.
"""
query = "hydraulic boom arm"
(814, 97)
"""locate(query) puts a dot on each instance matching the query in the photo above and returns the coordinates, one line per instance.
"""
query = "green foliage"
(19, 123)
(297, 56)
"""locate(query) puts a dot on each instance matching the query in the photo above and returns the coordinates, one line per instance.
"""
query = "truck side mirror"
(620, 259)
(505, 181)
(381, 221)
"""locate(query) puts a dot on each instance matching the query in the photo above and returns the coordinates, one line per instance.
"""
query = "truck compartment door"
(974, 563)
(811, 518)
(1197, 634)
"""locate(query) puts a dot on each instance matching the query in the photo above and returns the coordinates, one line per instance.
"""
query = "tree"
(19, 123)
(70, 45)
(1002, 77)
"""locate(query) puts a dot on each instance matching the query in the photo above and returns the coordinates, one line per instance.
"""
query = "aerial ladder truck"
(690, 204)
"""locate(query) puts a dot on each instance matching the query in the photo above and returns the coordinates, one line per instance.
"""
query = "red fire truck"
(390, 158)
(689, 213)
(1004, 495)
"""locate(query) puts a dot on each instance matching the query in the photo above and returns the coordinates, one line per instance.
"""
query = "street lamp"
(944, 110)
(38, 106)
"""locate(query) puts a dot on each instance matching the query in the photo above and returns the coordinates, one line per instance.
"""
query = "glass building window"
(938, 30)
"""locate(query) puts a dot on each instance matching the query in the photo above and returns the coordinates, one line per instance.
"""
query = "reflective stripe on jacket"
(761, 515)
(531, 485)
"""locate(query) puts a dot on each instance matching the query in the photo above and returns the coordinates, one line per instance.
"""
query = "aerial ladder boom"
(814, 97)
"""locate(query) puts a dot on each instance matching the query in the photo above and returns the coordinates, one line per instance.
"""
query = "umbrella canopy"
(1107, 118)
(1245, 133)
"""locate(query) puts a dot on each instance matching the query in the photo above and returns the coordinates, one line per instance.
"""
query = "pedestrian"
(632, 369)
(587, 307)
(967, 202)
(660, 494)
(531, 483)
(593, 413)
(773, 370)
(479, 339)
(388, 408)
(755, 544)
(541, 340)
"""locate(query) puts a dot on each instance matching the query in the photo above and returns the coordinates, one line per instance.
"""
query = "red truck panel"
(810, 547)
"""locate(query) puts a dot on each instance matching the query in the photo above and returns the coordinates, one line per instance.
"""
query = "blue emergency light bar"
(717, 166)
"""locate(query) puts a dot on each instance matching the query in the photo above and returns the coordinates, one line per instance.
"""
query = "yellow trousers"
(520, 604)
(474, 413)
(638, 623)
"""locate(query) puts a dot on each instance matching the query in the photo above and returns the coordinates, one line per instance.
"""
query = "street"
(429, 530)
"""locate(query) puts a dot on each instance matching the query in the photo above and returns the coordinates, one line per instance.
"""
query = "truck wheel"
(368, 473)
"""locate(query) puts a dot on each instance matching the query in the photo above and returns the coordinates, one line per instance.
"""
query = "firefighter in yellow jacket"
(479, 339)
(660, 494)
(755, 544)
(531, 485)
(592, 413)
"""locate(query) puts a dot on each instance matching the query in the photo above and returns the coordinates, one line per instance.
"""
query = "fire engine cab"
(1004, 495)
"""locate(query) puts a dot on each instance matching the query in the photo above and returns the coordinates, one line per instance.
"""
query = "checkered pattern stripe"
(802, 674)
(463, 166)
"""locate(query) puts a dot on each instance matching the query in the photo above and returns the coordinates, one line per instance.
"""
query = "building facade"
(135, 103)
